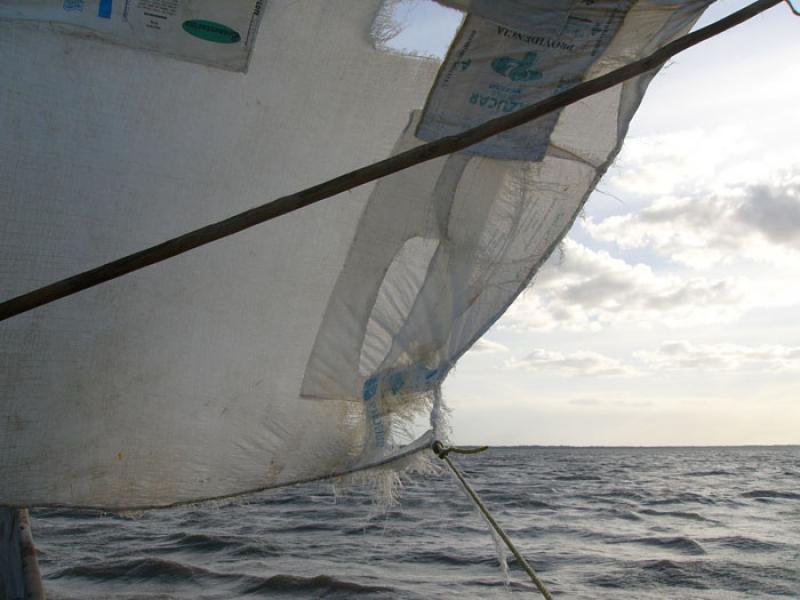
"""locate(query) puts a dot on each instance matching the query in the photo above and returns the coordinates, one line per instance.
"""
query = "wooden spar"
(19, 569)
(399, 162)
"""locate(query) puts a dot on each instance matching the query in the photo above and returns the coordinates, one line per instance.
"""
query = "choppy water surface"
(699, 523)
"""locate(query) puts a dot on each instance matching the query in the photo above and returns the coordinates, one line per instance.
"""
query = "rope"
(442, 452)
(419, 154)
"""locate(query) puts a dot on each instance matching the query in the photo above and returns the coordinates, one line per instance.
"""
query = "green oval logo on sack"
(517, 69)
(211, 31)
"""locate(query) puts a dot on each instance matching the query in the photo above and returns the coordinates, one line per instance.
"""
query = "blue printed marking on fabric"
(370, 388)
(369, 391)
(73, 5)
(517, 69)
(396, 382)
(104, 10)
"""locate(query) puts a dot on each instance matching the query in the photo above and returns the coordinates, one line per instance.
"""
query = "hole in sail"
(421, 28)
(396, 297)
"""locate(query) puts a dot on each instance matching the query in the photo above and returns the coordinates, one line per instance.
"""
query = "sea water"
(638, 523)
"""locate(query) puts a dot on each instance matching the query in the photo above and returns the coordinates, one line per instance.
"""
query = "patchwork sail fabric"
(221, 34)
(298, 349)
(492, 69)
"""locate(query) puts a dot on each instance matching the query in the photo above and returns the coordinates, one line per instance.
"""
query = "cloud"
(674, 355)
(662, 164)
(576, 363)
(484, 346)
(587, 289)
(684, 355)
(625, 404)
(584, 401)
(758, 222)
(634, 403)
(774, 213)
(708, 157)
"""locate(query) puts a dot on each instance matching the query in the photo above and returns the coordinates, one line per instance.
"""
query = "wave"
(499, 499)
(699, 574)
(771, 494)
(326, 585)
(646, 574)
(206, 543)
(618, 513)
(453, 557)
(608, 512)
(681, 544)
(712, 473)
(153, 570)
(615, 495)
(689, 516)
(526, 503)
(74, 530)
(197, 542)
(149, 569)
(685, 498)
(578, 478)
(309, 526)
(748, 544)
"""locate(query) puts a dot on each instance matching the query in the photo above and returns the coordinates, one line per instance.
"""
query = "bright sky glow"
(669, 318)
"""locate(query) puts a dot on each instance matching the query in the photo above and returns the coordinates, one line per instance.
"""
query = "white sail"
(291, 351)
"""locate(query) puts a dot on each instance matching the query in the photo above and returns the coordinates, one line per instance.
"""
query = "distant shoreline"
(596, 447)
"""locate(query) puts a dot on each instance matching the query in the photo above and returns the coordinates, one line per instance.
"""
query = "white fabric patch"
(492, 70)
(219, 34)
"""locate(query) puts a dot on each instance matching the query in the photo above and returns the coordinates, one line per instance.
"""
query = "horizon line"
(795, 445)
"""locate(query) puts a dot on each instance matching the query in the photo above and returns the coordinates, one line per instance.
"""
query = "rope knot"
(440, 450)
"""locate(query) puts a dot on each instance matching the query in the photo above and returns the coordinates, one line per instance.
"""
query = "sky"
(669, 315)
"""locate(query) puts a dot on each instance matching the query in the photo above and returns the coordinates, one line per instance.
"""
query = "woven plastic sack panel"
(221, 34)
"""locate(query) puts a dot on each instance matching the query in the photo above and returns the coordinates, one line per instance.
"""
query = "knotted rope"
(442, 452)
